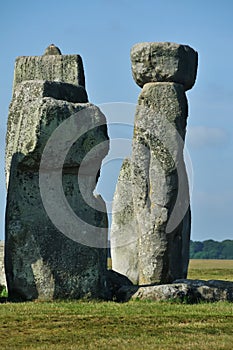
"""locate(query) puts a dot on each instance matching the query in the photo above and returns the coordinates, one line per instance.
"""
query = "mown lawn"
(211, 269)
(133, 325)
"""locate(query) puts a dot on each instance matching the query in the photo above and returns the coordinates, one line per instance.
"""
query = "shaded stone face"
(189, 291)
(164, 62)
(157, 171)
(44, 260)
(124, 231)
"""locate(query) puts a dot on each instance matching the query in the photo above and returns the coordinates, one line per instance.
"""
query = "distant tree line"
(211, 249)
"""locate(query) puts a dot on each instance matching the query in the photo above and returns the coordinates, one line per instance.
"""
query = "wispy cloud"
(202, 136)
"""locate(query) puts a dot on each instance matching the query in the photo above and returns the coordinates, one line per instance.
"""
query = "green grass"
(211, 269)
(3, 293)
(133, 325)
(206, 269)
(141, 325)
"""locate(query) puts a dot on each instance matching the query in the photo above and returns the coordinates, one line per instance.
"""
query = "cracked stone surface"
(151, 226)
(41, 261)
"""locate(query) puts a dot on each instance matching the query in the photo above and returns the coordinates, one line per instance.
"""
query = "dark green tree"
(211, 249)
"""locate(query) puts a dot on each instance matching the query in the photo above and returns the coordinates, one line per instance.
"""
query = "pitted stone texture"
(211, 290)
(124, 232)
(62, 68)
(59, 91)
(159, 183)
(151, 217)
(164, 62)
(188, 291)
(30, 102)
(41, 262)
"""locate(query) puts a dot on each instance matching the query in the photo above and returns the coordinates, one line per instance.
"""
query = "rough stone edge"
(188, 291)
(79, 79)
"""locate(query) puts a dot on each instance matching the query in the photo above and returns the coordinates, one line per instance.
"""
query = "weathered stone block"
(164, 62)
(28, 104)
(159, 182)
(124, 232)
(56, 229)
(151, 217)
(189, 291)
(41, 262)
(158, 192)
(62, 68)
(55, 89)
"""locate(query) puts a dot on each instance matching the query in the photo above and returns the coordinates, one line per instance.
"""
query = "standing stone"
(158, 188)
(123, 224)
(44, 261)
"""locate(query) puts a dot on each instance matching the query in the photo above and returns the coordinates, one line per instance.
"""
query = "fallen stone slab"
(190, 291)
(212, 290)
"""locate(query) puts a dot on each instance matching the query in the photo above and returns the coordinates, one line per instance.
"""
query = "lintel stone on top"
(164, 62)
(51, 67)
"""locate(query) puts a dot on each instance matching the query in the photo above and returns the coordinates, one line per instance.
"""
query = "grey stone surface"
(59, 91)
(151, 218)
(188, 291)
(28, 97)
(151, 215)
(212, 290)
(62, 68)
(41, 261)
(2, 268)
(158, 178)
(124, 233)
(164, 62)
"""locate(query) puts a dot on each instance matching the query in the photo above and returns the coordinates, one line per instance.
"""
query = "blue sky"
(103, 32)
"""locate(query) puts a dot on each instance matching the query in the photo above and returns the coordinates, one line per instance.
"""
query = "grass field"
(134, 325)
(207, 269)
(211, 269)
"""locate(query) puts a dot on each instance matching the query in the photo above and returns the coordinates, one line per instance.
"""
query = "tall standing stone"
(123, 241)
(160, 212)
(42, 259)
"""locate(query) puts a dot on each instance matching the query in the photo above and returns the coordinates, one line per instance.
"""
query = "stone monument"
(151, 212)
(43, 261)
